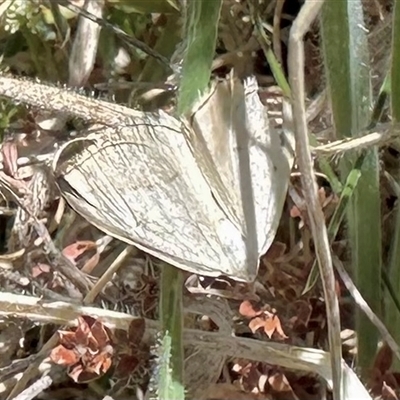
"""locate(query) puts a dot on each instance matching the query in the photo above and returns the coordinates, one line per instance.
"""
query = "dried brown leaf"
(279, 382)
(62, 356)
(68, 339)
(136, 331)
(276, 251)
(40, 269)
(9, 152)
(256, 323)
(83, 330)
(126, 365)
(84, 253)
(100, 363)
(269, 326)
(248, 310)
(269, 322)
(278, 327)
(384, 359)
(388, 393)
(87, 350)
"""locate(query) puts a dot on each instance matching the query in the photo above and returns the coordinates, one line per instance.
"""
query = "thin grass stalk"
(337, 217)
(170, 362)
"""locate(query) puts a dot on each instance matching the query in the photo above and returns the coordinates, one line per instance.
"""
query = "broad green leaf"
(200, 35)
(146, 7)
(346, 56)
(166, 44)
(393, 272)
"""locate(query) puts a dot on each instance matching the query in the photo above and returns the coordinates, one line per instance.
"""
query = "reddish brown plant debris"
(276, 251)
(44, 274)
(84, 254)
(223, 391)
(221, 287)
(250, 376)
(262, 380)
(388, 393)
(278, 383)
(300, 313)
(86, 351)
(9, 152)
(260, 318)
(299, 210)
(383, 382)
(128, 345)
(40, 269)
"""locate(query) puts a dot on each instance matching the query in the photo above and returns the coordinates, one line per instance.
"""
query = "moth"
(204, 192)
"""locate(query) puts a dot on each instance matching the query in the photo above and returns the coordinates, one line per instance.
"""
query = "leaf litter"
(270, 309)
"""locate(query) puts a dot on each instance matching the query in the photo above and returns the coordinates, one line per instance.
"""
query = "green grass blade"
(201, 35)
(153, 71)
(201, 25)
(392, 292)
(337, 217)
(380, 103)
(392, 312)
(395, 72)
(347, 63)
(276, 68)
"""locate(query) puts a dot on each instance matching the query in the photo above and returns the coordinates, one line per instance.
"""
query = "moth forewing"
(271, 160)
(210, 140)
(205, 147)
(141, 184)
(247, 157)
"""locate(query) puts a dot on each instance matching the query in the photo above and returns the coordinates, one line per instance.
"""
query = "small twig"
(359, 300)
(57, 260)
(107, 114)
(64, 313)
(18, 366)
(61, 263)
(316, 106)
(107, 276)
(296, 64)
(386, 133)
(18, 278)
(131, 41)
(36, 388)
(81, 58)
